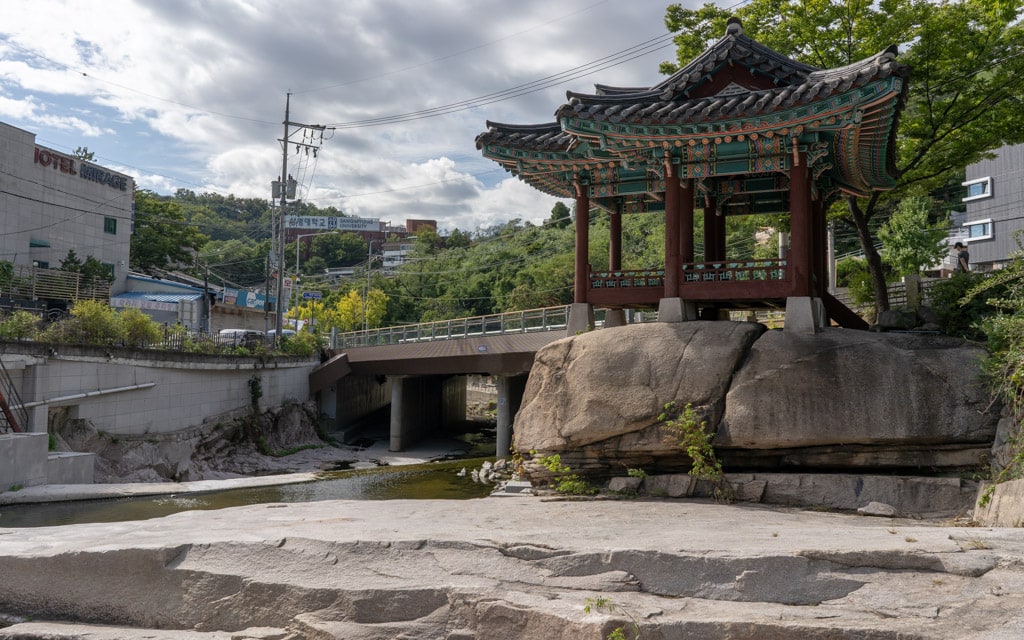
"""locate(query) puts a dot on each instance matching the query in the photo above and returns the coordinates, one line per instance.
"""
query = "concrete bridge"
(421, 371)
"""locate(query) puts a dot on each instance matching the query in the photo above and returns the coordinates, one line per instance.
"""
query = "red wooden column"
(714, 232)
(615, 240)
(819, 248)
(800, 230)
(686, 221)
(582, 267)
(672, 262)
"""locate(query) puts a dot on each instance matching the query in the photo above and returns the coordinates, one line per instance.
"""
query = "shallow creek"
(433, 480)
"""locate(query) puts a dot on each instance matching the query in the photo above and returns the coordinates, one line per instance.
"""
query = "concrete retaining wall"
(22, 460)
(133, 392)
(127, 393)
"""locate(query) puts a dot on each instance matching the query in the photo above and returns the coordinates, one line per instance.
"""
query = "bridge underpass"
(425, 382)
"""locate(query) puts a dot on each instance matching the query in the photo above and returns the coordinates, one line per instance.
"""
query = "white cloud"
(191, 94)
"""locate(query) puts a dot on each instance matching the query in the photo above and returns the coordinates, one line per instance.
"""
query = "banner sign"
(247, 299)
(332, 223)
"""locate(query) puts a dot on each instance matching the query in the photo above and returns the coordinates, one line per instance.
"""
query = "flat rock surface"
(525, 568)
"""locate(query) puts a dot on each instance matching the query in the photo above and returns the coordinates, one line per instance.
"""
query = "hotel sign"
(75, 167)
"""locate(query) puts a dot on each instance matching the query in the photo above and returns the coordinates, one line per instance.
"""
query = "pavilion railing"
(734, 271)
(710, 271)
(627, 279)
(546, 319)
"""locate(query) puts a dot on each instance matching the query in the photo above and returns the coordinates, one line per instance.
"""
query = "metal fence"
(546, 319)
(897, 293)
(33, 283)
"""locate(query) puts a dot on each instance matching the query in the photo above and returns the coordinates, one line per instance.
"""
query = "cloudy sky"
(190, 94)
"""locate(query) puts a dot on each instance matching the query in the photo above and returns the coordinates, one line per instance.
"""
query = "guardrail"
(546, 319)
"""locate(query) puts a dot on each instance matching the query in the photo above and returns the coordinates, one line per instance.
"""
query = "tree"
(561, 216)
(350, 312)
(910, 241)
(457, 240)
(162, 237)
(83, 153)
(71, 262)
(967, 73)
(91, 270)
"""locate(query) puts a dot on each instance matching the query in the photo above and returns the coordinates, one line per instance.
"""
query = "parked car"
(247, 338)
(285, 334)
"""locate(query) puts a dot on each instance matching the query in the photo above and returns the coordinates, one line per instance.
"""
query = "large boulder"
(843, 387)
(836, 400)
(596, 397)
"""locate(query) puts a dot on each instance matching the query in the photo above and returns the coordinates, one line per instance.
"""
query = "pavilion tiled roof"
(670, 101)
(737, 89)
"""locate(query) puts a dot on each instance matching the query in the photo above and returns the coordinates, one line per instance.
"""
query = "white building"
(52, 202)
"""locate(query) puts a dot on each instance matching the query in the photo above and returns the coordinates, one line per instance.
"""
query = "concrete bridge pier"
(422, 404)
(510, 398)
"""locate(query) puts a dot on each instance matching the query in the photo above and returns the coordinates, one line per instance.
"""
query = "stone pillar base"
(615, 318)
(805, 315)
(676, 310)
(581, 318)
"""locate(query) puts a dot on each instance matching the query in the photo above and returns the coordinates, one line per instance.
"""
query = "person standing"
(963, 258)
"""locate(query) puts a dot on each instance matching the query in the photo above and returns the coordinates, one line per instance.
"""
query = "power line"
(562, 77)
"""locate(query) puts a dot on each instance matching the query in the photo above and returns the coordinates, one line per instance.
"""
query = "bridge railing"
(546, 319)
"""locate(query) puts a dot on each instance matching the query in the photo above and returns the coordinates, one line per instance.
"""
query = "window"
(978, 230)
(110, 225)
(977, 189)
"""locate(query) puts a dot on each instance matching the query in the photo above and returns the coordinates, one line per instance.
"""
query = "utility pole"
(284, 187)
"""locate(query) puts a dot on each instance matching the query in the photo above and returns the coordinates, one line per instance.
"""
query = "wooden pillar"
(819, 245)
(582, 267)
(686, 221)
(615, 240)
(800, 234)
(672, 262)
(713, 241)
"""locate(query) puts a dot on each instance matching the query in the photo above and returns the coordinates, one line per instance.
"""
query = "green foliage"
(1003, 293)
(853, 274)
(255, 392)
(963, 93)
(561, 216)
(601, 604)
(566, 482)
(20, 325)
(161, 237)
(138, 329)
(91, 270)
(911, 241)
(634, 472)
(93, 322)
(689, 432)
(301, 344)
(959, 315)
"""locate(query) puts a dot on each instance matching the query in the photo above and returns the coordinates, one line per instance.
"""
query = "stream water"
(433, 480)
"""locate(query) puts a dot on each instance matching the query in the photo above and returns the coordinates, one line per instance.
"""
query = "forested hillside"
(513, 266)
